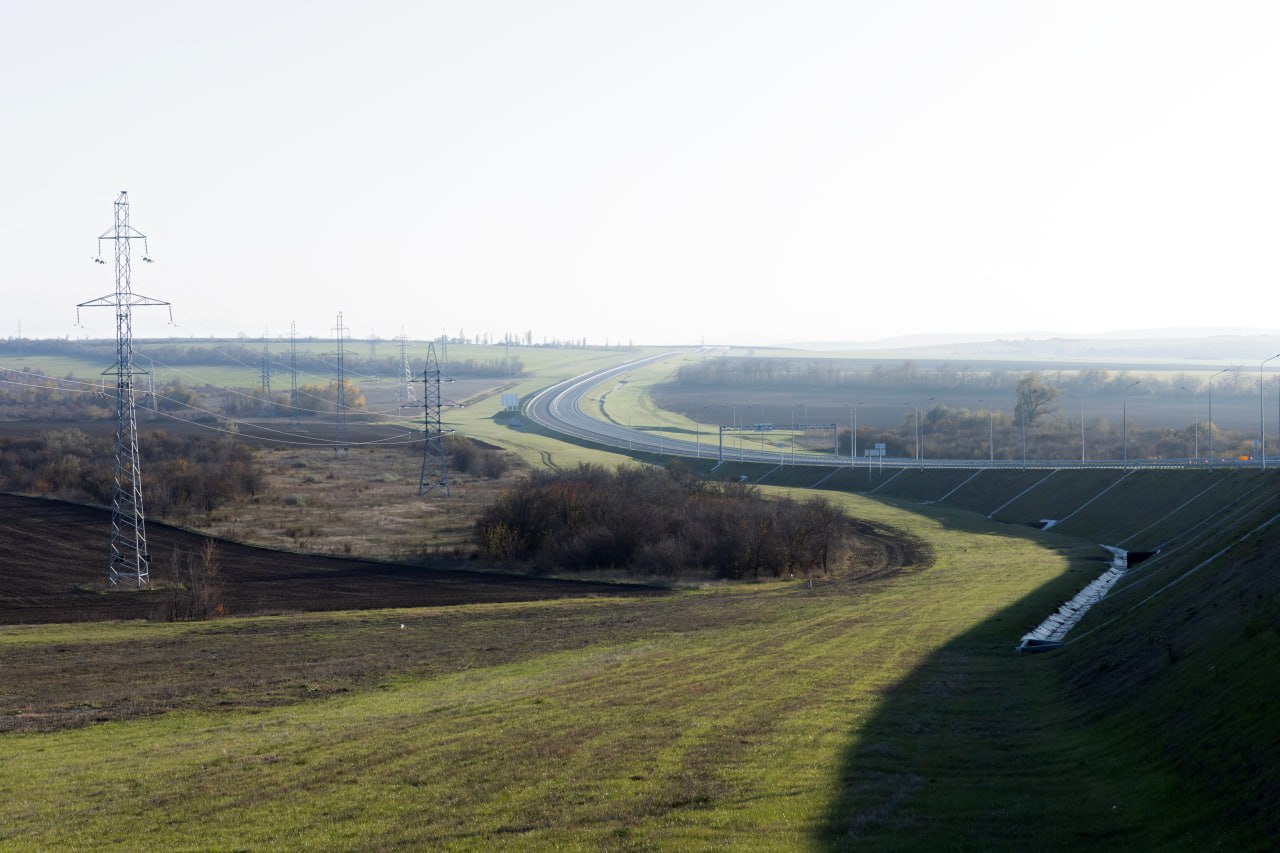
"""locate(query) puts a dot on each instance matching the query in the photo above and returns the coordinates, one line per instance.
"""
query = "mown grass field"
(713, 718)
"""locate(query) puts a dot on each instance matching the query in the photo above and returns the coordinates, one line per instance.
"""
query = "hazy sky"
(652, 171)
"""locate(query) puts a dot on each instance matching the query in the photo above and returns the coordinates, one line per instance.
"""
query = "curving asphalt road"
(559, 409)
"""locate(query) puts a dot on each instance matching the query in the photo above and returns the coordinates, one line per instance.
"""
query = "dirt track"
(53, 567)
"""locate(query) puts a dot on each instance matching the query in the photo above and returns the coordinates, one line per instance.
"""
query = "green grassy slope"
(1155, 726)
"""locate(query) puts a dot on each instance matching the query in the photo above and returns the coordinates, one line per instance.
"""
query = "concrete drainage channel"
(1050, 633)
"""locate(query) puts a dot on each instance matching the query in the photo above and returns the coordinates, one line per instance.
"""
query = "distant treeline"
(655, 521)
(842, 373)
(356, 358)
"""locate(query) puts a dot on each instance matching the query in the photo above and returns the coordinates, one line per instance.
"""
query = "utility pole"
(1262, 411)
(340, 445)
(129, 561)
(404, 389)
(265, 410)
(293, 371)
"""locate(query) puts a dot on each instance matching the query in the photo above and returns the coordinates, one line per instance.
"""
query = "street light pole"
(1262, 411)
(1081, 399)
(853, 436)
(1211, 378)
(920, 436)
(792, 434)
(1082, 430)
(1195, 409)
(1022, 421)
(1125, 420)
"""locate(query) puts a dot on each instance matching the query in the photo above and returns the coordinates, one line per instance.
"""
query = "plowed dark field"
(53, 568)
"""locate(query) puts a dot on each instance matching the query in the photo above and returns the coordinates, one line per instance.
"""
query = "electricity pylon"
(129, 559)
(435, 462)
(266, 408)
(404, 388)
(293, 372)
(340, 445)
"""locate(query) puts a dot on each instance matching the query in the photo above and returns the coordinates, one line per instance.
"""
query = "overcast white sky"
(663, 172)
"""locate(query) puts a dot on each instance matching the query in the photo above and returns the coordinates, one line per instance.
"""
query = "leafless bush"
(199, 595)
(659, 522)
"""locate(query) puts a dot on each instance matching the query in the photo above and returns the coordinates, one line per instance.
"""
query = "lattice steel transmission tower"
(266, 408)
(340, 406)
(404, 388)
(435, 462)
(293, 371)
(129, 560)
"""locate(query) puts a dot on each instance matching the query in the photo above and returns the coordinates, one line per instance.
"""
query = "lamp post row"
(919, 451)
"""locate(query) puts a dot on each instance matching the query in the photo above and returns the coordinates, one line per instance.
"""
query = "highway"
(559, 409)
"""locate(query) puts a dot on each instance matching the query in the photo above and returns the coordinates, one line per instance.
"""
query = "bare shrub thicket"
(467, 456)
(181, 473)
(660, 522)
(199, 591)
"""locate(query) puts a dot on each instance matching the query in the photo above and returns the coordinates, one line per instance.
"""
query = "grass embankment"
(710, 718)
(1154, 727)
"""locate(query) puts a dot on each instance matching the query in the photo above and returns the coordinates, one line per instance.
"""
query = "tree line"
(857, 377)
(239, 354)
(660, 522)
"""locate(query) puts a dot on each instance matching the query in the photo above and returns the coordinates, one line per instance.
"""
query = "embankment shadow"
(1155, 727)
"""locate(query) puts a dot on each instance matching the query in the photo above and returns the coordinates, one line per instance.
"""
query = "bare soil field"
(53, 568)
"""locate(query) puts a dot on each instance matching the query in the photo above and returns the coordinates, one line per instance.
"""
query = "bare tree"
(1035, 398)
